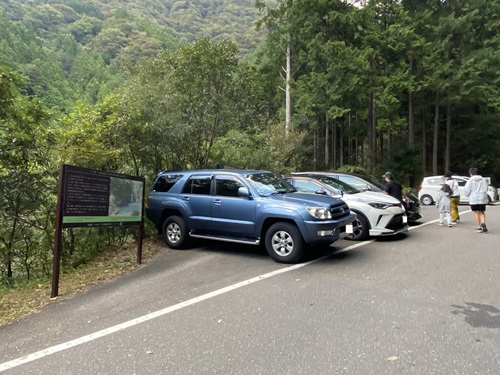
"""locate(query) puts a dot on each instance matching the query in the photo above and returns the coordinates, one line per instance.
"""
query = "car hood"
(306, 199)
(371, 197)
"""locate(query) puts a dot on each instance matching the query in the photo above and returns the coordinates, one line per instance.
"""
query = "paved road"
(424, 303)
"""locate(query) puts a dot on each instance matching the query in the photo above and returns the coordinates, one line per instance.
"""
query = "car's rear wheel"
(360, 228)
(284, 243)
(175, 233)
(426, 200)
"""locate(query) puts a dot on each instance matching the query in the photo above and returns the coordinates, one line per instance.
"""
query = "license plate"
(349, 229)
(405, 219)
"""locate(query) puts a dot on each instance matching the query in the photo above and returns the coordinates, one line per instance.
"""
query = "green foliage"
(27, 181)
(187, 99)
(268, 150)
(353, 169)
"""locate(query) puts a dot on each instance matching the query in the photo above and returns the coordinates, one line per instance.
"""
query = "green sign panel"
(98, 198)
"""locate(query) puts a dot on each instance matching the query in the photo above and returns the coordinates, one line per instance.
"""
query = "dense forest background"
(140, 86)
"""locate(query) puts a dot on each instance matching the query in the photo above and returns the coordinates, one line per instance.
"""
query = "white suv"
(378, 214)
(430, 186)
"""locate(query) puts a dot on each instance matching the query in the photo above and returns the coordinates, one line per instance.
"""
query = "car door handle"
(185, 199)
(217, 202)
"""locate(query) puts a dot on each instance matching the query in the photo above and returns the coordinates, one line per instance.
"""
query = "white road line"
(434, 221)
(119, 327)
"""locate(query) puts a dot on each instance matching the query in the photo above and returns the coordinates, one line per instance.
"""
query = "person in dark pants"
(394, 188)
(476, 189)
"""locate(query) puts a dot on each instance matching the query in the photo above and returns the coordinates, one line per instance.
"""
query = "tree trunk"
(424, 138)
(327, 140)
(341, 143)
(447, 158)
(315, 157)
(372, 132)
(435, 139)
(288, 104)
(334, 135)
(411, 122)
(411, 119)
(349, 140)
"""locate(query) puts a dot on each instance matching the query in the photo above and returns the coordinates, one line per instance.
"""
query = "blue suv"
(245, 206)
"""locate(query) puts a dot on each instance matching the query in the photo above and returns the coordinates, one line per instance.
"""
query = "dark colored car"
(364, 182)
(248, 207)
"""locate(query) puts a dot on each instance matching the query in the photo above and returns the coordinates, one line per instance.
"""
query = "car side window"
(197, 185)
(227, 186)
(165, 182)
(436, 181)
(353, 181)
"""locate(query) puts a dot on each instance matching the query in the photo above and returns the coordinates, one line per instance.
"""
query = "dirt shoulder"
(25, 300)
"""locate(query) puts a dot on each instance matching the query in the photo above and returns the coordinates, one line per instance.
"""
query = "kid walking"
(443, 204)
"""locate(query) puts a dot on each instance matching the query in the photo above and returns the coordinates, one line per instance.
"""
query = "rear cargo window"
(164, 183)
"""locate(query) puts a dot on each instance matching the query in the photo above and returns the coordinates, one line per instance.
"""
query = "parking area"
(423, 302)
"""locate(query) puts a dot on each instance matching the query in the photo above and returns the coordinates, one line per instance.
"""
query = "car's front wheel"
(426, 200)
(284, 243)
(175, 233)
(360, 229)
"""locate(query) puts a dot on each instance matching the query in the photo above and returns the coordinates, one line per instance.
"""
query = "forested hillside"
(81, 50)
(142, 86)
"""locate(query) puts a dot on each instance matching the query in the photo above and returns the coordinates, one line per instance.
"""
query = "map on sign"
(93, 198)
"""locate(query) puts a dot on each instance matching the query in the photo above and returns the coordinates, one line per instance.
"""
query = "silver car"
(430, 186)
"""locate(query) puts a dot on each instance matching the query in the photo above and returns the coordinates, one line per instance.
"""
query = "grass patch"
(27, 299)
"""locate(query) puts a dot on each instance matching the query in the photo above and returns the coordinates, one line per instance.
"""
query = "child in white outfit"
(443, 204)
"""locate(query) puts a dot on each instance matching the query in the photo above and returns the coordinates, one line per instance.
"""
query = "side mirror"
(321, 192)
(244, 193)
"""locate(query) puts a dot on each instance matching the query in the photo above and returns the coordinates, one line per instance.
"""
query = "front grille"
(396, 222)
(339, 210)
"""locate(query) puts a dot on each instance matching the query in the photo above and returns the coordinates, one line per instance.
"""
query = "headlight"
(381, 206)
(319, 212)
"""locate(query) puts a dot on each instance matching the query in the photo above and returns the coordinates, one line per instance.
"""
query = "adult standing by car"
(476, 189)
(454, 197)
(394, 188)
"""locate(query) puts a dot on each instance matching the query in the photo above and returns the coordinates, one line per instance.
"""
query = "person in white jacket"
(476, 189)
(443, 203)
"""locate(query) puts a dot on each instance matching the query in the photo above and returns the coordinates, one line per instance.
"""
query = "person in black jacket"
(394, 188)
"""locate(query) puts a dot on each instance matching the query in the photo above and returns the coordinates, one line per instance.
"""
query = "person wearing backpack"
(443, 204)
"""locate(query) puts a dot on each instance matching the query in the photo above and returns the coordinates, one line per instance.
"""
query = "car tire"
(284, 243)
(175, 233)
(360, 228)
(426, 200)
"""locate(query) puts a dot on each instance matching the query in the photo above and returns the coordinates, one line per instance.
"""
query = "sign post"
(90, 198)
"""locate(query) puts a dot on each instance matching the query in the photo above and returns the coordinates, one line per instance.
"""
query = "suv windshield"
(268, 184)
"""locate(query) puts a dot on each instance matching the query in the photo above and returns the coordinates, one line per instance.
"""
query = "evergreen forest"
(141, 86)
